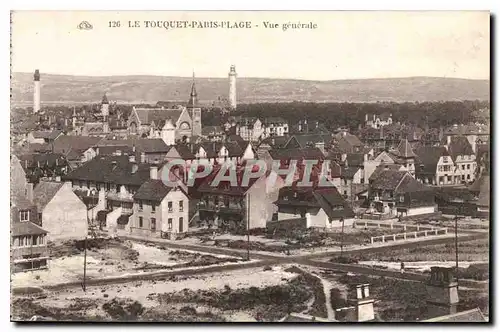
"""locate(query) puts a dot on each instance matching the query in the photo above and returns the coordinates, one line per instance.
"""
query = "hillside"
(149, 89)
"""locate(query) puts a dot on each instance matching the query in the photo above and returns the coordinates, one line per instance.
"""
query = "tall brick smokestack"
(36, 92)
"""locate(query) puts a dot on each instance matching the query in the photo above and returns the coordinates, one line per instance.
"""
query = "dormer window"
(24, 216)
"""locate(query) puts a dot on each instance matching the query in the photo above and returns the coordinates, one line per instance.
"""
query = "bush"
(344, 260)
(187, 310)
(120, 309)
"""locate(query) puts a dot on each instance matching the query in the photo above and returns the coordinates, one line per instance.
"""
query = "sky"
(344, 45)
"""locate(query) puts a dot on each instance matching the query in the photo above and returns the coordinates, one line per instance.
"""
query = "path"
(268, 259)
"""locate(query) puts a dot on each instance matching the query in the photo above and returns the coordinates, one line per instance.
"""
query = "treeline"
(333, 115)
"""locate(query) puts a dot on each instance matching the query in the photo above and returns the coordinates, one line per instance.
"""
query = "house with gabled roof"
(395, 192)
(159, 210)
(28, 243)
(434, 165)
(60, 210)
(319, 207)
(463, 157)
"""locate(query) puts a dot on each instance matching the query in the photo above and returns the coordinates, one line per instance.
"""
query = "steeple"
(105, 99)
(193, 97)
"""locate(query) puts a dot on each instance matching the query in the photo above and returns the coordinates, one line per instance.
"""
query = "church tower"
(105, 107)
(232, 86)
(36, 92)
(194, 110)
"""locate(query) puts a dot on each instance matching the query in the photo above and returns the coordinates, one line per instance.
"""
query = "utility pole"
(456, 246)
(342, 238)
(248, 226)
(84, 285)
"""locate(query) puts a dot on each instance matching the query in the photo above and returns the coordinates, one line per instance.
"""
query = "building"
(43, 166)
(476, 134)
(36, 91)
(377, 121)
(28, 243)
(144, 150)
(213, 133)
(147, 122)
(194, 111)
(393, 192)
(434, 165)
(60, 211)
(232, 87)
(19, 185)
(319, 207)
(255, 129)
(463, 157)
(43, 137)
(107, 184)
(160, 210)
(76, 149)
(241, 205)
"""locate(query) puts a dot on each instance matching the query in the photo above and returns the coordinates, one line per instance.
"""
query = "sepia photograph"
(250, 166)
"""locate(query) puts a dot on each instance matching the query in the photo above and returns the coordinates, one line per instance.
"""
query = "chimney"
(153, 172)
(143, 157)
(361, 303)
(135, 167)
(448, 140)
(365, 157)
(366, 117)
(442, 291)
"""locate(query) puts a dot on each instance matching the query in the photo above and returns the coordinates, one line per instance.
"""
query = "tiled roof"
(43, 159)
(65, 143)
(383, 167)
(184, 151)
(146, 145)
(112, 149)
(348, 172)
(405, 150)
(50, 135)
(398, 181)
(297, 154)
(474, 315)
(428, 156)
(459, 146)
(44, 192)
(305, 140)
(275, 142)
(148, 115)
(225, 187)
(26, 228)
(111, 169)
(152, 190)
(333, 203)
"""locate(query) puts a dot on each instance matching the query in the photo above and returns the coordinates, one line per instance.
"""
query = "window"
(181, 206)
(445, 159)
(362, 180)
(181, 222)
(153, 224)
(401, 199)
(80, 184)
(98, 186)
(468, 166)
(463, 167)
(463, 177)
(88, 184)
(24, 215)
(153, 207)
(468, 176)
(140, 206)
(141, 223)
(170, 223)
(170, 207)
